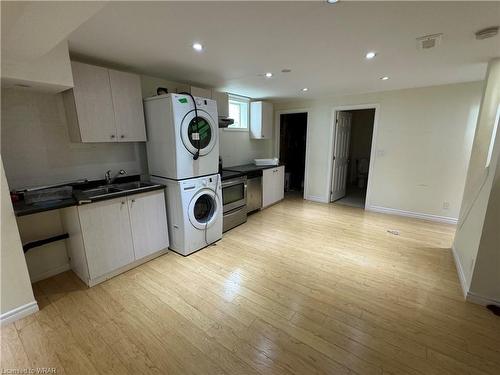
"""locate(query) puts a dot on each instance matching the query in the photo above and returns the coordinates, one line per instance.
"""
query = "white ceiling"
(323, 44)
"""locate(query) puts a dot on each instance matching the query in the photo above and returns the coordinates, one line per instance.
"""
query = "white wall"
(150, 84)
(16, 294)
(476, 240)
(237, 148)
(422, 146)
(51, 71)
(485, 281)
(37, 150)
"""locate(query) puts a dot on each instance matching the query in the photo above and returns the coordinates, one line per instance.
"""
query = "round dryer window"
(203, 209)
(199, 134)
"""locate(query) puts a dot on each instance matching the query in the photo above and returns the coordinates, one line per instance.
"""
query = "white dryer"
(194, 212)
(179, 145)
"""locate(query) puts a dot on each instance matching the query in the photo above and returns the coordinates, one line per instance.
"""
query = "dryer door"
(202, 133)
(203, 209)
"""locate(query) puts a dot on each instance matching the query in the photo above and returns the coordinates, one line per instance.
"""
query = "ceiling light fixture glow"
(332, 1)
(384, 78)
(197, 47)
(370, 55)
(269, 75)
(305, 89)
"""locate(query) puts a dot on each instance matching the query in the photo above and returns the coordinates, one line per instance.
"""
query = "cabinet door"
(148, 220)
(107, 236)
(200, 92)
(273, 185)
(222, 99)
(261, 120)
(267, 120)
(127, 103)
(268, 182)
(94, 105)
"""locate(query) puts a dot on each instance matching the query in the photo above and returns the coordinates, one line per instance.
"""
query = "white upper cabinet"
(89, 106)
(261, 120)
(222, 99)
(127, 104)
(104, 106)
(200, 92)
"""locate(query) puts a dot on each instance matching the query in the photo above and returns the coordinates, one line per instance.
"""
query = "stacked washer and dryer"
(183, 154)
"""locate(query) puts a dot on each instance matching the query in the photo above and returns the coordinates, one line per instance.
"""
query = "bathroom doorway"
(352, 154)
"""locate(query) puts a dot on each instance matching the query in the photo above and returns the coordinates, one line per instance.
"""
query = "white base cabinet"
(112, 236)
(148, 223)
(273, 185)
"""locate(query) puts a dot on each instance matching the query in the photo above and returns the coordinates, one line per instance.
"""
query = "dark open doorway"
(293, 134)
(352, 181)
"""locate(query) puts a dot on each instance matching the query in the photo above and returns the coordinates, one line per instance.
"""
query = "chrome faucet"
(109, 179)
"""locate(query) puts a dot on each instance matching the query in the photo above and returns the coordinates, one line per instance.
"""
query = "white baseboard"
(19, 312)
(460, 272)
(416, 215)
(52, 272)
(316, 198)
(480, 300)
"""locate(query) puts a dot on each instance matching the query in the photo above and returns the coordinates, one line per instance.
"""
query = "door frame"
(277, 131)
(333, 128)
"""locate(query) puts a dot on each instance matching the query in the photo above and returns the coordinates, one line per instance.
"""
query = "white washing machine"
(194, 212)
(179, 146)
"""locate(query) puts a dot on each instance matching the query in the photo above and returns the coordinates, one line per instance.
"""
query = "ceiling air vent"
(487, 33)
(429, 41)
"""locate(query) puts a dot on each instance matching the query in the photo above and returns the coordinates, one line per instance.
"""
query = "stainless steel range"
(234, 196)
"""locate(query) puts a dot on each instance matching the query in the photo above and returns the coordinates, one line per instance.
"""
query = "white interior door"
(341, 155)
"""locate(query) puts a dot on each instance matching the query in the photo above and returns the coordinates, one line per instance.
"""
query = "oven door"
(234, 193)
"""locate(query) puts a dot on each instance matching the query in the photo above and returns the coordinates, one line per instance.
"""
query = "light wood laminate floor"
(302, 288)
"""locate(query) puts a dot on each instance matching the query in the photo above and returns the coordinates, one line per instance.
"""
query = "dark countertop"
(250, 170)
(21, 208)
(227, 175)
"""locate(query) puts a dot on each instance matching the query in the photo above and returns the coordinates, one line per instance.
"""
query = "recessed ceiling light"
(197, 47)
(332, 1)
(371, 55)
(305, 89)
(384, 78)
(269, 75)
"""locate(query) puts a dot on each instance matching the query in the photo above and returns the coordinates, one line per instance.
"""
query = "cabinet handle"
(112, 136)
(122, 136)
(123, 203)
(133, 200)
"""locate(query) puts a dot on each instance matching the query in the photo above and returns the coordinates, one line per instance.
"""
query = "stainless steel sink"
(135, 185)
(110, 190)
(101, 191)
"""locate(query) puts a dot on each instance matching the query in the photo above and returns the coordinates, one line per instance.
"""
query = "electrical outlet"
(446, 205)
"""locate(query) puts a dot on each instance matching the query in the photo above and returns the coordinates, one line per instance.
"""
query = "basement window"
(239, 112)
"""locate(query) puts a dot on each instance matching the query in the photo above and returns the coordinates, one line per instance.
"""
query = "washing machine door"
(204, 208)
(202, 133)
